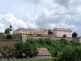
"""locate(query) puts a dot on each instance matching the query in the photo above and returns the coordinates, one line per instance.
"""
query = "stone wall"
(7, 43)
(53, 38)
(19, 37)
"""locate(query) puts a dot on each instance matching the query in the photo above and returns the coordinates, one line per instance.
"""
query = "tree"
(9, 37)
(24, 50)
(70, 53)
(74, 34)
(7, 31)
(30, 50)
(19, 49)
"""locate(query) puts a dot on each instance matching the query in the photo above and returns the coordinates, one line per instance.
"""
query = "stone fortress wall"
(24, 34)
(23, 37)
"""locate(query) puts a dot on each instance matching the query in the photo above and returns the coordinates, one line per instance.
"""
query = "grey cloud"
(63, 2)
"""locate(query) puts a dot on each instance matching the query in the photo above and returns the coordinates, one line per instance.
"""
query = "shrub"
(71, 53)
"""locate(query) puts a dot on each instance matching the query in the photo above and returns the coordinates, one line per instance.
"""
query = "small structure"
(43, 53)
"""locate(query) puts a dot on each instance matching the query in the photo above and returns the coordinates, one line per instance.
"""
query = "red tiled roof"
(43, 52)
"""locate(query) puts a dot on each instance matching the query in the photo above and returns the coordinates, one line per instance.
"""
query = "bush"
(71, 53)
(74, 34)
(63, 41)
(25, 49)
(9, 37)
(7, 52)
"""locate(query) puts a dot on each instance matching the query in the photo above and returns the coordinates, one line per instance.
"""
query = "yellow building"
(31, 31)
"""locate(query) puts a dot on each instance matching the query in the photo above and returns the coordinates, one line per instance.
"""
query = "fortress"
(24, 34)
(56, 32)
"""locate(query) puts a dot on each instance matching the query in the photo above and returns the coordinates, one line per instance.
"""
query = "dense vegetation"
(70, 53)
(61, 50)
(20, 50)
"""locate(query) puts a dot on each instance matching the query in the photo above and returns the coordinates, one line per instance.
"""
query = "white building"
(59, 32)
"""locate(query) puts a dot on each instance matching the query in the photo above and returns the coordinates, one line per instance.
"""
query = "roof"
(43, 52)
(62, 29)
(35, 30)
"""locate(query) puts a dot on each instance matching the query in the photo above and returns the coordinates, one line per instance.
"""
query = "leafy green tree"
(7, 31)
(74, 34)
(71, 53)
(8, 36)
(19, 49)
(30, 49)
(25, 49)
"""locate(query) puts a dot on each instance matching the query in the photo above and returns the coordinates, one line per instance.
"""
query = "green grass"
(30, 60)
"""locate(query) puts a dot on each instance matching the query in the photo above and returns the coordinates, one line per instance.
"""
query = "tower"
(11, 30)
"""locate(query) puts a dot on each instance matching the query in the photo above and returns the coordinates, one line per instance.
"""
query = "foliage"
(63, 41)
(25, 50)
(74, 34)
(71, 53)
(19, 49)
(7, 31)
(9, 37)
(7, 52)
(56, 47)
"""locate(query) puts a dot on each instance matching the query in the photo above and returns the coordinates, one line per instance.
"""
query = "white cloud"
(2, 27)
(16, 23)
(45, 14)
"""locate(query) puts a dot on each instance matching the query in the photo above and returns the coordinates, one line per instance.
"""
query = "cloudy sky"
(40, 14)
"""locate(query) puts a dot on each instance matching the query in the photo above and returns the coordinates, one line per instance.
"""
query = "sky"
(40, 14)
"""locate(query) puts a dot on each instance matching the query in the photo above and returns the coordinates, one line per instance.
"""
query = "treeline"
(20, 50)
(61, 50)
